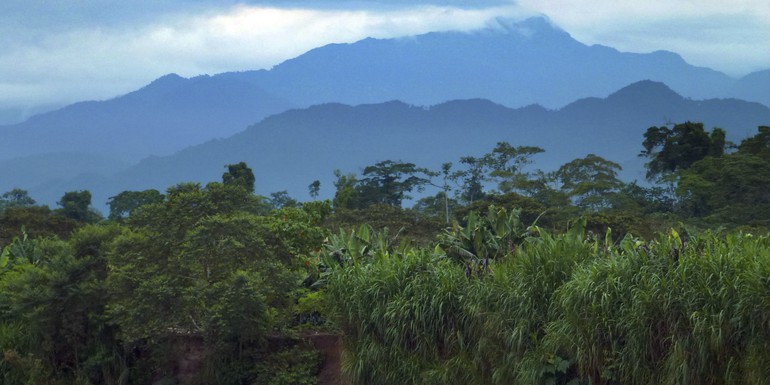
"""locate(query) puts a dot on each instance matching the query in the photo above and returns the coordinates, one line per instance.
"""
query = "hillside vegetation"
(506, 275)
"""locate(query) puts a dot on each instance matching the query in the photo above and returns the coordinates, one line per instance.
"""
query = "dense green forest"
(506, 274)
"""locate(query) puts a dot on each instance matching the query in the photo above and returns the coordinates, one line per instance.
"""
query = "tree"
(55, 296)
(346, 195)
(16, 198)
(438, 205)
(77, 205)
(204, 261)
(446, 175)
(590, 181)
(758, 144)
(734, 188)
(314, 188)
(281, 199)
(239, 174)
(507, 165)
(471, 179)
(38, 221)
(388, 182)
(427, 205)
(504, 164)
(639, 200)
(674, 149)
(126, 202)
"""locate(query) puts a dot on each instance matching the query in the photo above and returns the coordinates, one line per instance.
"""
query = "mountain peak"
(168, 80)
(645, 90)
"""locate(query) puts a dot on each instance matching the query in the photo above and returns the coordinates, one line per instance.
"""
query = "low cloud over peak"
(63, 51)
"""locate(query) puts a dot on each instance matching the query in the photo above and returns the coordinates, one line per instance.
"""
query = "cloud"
(64, 51)
(730, 36)
(103, 61)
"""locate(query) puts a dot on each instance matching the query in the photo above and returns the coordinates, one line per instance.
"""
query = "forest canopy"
(506, 274)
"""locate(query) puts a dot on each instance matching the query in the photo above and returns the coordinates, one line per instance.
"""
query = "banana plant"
(484, 239)
(355, 248)
(20, 249)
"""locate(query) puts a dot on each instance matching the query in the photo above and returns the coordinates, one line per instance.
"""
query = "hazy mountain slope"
(14, 115)
(167, 115)
(290, 150)
(754, 86)
(514, 64)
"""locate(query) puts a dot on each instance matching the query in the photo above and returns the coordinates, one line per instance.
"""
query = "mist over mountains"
(515, 64)
(425, 99)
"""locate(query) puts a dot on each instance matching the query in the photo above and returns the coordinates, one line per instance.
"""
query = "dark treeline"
(507, 274)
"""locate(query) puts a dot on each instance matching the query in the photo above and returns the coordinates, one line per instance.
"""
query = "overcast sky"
(61, 51)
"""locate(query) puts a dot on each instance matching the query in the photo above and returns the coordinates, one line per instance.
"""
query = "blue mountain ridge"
(289, 150)
(456, 82)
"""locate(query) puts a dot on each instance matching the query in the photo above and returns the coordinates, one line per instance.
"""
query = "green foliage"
(758, 145)
(123, 204)
(16, 198)
(484, 238)
(671, 311)
(437, 206)
(346, 195)
(673, 149)
(413, 316)
(76, 205)
(407, 223)
(204, 263)
(590, 181)
(294, 365)
(239, 174)
(37, 221)
(54, 294)
(507, 165)
(641, 201)
(557, 309)
(281, 199)
(731, 189)
(471, 179)
(314, 188)
(161, 288)
(389, 182)
(187, 203)
(216, 274)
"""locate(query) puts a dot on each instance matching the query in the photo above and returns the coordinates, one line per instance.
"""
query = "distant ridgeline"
(461, 93)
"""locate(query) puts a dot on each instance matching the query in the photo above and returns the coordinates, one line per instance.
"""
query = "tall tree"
(590, 181)
(734, 188)
(281, 199)
(123, 204)
(77, 205)
(672, 149)
(239, 174)
(16, 198)
(507, 165)
(471, 179)
(314, 188)
(758, 144)
(346, 195)
(389, 182)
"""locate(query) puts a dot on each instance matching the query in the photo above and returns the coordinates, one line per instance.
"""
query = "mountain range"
(458, 93)
(288, 151)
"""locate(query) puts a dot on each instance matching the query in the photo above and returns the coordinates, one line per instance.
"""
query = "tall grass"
(417, 318)
(563, 309)
(670, 312)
